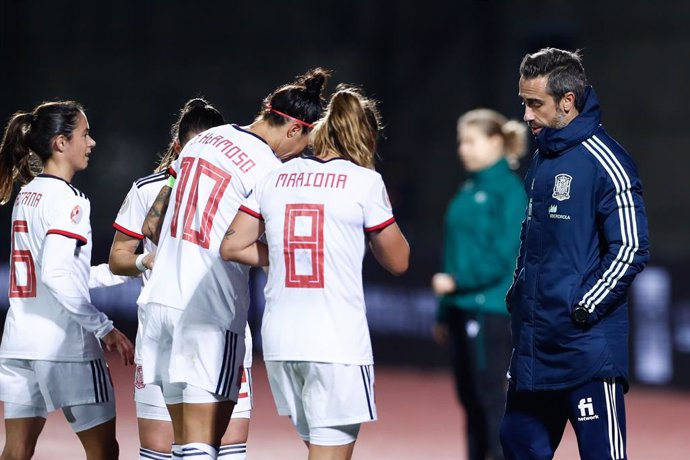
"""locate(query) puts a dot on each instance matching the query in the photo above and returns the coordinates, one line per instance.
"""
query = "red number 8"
(311, 242)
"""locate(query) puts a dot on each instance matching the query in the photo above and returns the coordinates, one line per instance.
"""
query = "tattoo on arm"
(154, 218)
(229, 233)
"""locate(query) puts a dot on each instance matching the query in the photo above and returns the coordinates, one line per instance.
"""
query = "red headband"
(303, 123)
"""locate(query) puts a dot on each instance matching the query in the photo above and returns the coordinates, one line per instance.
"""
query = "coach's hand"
(117, 341)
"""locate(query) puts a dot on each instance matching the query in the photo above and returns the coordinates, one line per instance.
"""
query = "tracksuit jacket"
(583, 240)
(481, 229)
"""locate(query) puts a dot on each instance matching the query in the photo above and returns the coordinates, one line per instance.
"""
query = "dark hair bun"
(197, 102)
(315, 80)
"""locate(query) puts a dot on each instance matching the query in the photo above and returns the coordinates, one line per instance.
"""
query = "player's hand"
(149, 259)
(442, 283)
(440, 334)
(117, 341)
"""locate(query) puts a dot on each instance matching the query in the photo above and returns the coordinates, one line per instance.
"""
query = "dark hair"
(195, 117)
(301, 100)
(28, 141)
(349, 127)
(563, 68)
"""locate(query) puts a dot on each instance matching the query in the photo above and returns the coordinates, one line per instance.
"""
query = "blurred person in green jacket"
(481, 242)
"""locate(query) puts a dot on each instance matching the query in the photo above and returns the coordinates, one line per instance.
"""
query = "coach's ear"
(567, 102)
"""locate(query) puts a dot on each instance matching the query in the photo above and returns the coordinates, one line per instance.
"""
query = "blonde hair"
(492, 123)
(348, 128)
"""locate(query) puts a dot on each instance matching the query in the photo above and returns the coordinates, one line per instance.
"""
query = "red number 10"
(303, 236)
(21, 256)
(221, 180)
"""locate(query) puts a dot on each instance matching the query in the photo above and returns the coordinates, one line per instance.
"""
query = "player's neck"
(261, 128)
(54, 169)
(328, 155)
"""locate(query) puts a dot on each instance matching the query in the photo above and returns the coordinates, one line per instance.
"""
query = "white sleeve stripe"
(624, 253)
(628, 224)
(633, 230)
(626, 214)
(624, 257)
(616, 265)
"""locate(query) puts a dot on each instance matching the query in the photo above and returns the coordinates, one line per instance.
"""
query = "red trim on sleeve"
(77, 237)
(172, 172)
(380, 226)
(129, 233)
(251, 212)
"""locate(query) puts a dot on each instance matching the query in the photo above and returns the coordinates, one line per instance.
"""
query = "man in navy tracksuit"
(583, 241)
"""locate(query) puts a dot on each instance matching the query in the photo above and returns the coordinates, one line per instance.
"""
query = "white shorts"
(55, 384)
(150, 402)
(323, 394)
(156, 342)
(200, 353)
(80, 418)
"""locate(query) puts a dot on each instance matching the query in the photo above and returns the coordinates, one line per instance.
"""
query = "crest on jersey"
(561, 187)
(480, 197)
(75, 215)
(139, 378)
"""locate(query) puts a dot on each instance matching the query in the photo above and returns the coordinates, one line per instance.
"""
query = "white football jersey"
(316, 214)
(215, 172)
(130, 220)
(37, 326)
(134, 208)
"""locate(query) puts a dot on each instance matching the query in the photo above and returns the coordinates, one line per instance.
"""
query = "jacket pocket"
(574, 294)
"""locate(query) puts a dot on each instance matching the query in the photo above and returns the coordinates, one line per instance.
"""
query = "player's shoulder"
(359, 172)
(155, 179)
(57, 187)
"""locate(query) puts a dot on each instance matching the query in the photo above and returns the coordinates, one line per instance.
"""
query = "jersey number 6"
(21, 257)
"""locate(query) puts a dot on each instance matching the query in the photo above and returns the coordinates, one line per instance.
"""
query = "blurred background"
(133, 65)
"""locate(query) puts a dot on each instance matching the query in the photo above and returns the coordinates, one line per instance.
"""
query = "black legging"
(480, 353)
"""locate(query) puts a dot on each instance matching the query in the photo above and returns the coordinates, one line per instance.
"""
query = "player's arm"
(100, 276)
(154, 218)
(58, 275)
(124, 259)
(241, 244)
(390, 248)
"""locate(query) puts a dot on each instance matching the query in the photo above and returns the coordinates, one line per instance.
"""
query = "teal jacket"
(481, 240)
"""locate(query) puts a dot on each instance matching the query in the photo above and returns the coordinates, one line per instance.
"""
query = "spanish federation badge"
(561, 187)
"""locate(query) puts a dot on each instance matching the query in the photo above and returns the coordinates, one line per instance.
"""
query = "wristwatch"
(581, 315)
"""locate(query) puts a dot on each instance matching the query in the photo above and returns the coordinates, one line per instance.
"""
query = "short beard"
(559, 120)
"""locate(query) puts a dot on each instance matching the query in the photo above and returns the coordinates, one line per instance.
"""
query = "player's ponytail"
(491, 123)
(515, 141)
(349, 128)
(300, 101)
(28, 141)
(195, 117)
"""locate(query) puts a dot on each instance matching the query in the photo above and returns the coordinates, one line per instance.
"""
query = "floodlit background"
(133, 65)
